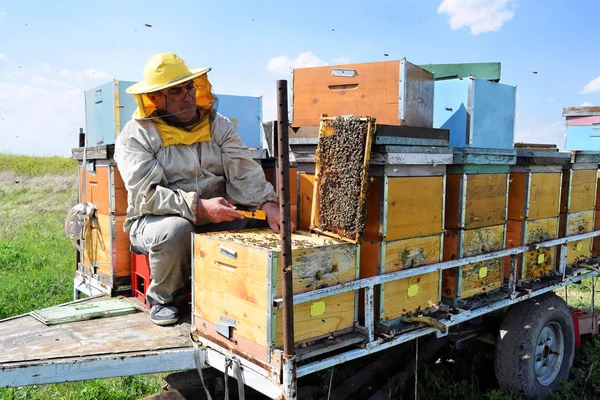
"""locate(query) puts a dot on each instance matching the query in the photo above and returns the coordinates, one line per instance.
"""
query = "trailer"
(349, 307)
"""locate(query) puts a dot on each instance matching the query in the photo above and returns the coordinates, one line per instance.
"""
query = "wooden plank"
(410, 159)
(373, 91)
(336, 343)
(380, 140)
(97, 190)
(465, 158)
(25, 339)
(98, 246)
(596, 241)
(579, 190)
(517, 195)
(587, 157)
(318, 319)
(478, 169)
(383, 149)
(406, 217)
(536, 146)
(411, 295)
(411, 132)
(306, 182)
(489, 71)
(581, 111)
(104, 152)
(543, 169)
(411, 253)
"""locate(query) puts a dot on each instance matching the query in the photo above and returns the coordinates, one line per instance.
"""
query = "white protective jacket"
(169, 180)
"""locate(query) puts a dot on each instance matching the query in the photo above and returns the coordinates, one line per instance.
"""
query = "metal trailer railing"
(282, 384)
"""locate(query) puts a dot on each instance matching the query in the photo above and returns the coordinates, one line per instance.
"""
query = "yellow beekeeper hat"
(164, 70)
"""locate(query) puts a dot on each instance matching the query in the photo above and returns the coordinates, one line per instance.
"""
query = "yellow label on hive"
(579, 246)
(413, 290)
(541, 258)
(483, 271)
(317, 309)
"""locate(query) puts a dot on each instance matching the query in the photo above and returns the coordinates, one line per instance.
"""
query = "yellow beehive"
(236, 279)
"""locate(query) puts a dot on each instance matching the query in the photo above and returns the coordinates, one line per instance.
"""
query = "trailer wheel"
(535, 346)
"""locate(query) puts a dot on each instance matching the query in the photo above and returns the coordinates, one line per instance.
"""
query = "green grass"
(37, 166)
(37, 264)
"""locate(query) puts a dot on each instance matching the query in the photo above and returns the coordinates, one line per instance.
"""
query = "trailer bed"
(34, 353)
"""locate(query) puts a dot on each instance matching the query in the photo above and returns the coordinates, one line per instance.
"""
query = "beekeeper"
(182, 162)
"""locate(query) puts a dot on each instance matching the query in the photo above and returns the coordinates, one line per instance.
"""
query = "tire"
(535, 346)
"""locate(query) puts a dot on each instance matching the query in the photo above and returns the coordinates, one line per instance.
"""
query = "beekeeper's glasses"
(178, 93)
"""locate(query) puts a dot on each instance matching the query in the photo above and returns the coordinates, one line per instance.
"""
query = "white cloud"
(553, 133)
(586, 104)
(283, 64)
(479, 15)
(341, 60)
(40, 114)
(4, 58)
(592, 86)
(46, 68)
(551, 99)
(3, 14)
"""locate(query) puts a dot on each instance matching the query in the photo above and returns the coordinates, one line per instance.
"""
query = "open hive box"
(236, 280)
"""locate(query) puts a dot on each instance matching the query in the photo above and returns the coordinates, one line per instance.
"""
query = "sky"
(52, 51)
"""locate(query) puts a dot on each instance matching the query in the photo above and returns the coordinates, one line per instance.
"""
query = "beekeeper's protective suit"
(167, 168)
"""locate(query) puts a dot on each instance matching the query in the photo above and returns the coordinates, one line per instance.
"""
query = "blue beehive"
(583, 127)
(477, 112)
(108, 108)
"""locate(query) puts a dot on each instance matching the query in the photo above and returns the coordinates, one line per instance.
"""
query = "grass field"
(36, 271)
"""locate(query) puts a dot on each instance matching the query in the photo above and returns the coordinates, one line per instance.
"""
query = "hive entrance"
(342, 165)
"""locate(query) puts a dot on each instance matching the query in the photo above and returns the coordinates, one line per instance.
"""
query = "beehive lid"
(341, 177)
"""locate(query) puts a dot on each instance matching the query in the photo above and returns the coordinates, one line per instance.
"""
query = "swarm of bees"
(342, 173)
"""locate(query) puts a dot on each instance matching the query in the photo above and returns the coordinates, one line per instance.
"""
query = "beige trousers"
(166, 240)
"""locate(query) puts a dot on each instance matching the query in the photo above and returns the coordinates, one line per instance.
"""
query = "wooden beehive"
(105, 260)
(476, 200)
(475, 220)
(578, 206)
(472, 279)
(236, 280)
(532, 264)
(405, 296)
(394, 92)
(534, 202)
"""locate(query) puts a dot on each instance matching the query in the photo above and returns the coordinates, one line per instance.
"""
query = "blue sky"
(51, 51)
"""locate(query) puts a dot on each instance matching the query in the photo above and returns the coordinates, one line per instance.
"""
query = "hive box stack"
(480, 117)
(105, 260)
(534, 209)
(578, 209)
(578, 203)
(407, 173)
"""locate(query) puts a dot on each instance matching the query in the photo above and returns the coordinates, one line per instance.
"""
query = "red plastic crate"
(140, 276)
(584, 322)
